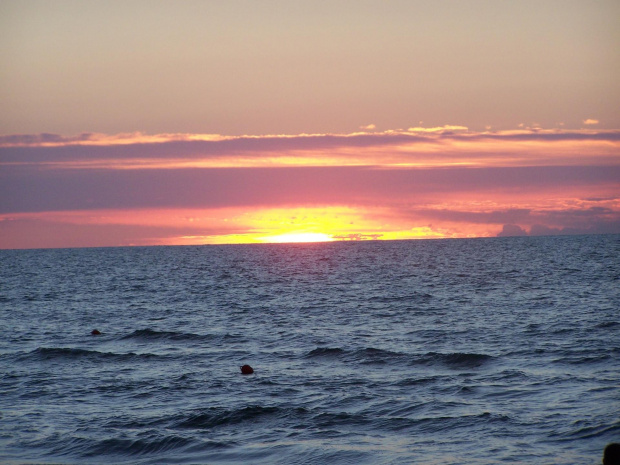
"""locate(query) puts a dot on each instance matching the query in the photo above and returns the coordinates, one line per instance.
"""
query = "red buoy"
(247, 370)
(95, 332)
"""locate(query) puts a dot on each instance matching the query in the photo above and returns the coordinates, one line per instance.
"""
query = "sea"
(468, 351)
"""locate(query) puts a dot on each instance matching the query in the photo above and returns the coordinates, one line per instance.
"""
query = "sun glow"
(297, 237)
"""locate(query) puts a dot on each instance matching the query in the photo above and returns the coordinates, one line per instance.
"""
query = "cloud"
(590, 121)
(43, 139)
(441, 147)
(512, 230)
(106, 228)
(27, 188)
(90, 138)
(542, 230)
(463, 183)
(599, 227)
(567, 222)
(546, 219)
(368, 127)
(512, 215)
(35, 233)
(439, 129)
(357, 237)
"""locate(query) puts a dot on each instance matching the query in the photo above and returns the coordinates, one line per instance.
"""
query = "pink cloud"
(31, 189)
(463, 183)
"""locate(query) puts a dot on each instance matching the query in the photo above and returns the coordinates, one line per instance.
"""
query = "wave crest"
(221, 417)
(67, 353)
(325, 352)
(151, 334)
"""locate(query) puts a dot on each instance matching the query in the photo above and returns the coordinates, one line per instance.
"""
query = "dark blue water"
(477, 351)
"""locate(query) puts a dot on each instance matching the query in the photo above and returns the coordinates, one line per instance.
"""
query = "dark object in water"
(246, 370)
(95, 332)
(611, 455)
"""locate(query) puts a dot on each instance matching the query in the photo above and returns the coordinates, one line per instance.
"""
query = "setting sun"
(297, 237)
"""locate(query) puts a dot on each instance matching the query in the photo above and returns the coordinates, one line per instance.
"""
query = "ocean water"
(480, 351)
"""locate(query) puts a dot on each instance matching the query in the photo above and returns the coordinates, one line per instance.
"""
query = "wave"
(136, 447)
(190, 439)
(597, 431)
(361, 354)
(417, 381)
(607, 324)
(582, 359)
(372, 355)
(329, 422)
(589, 432)
(213, 417)
(416, 297)
(66, 353)
(325, 352)
(341, 419)
(151, 334)
(459, 359)
(253, 416)
(125, 447)
(401, 420)
(441, 423)
(221, 417)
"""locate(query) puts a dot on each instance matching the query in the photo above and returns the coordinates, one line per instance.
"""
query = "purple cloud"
(30, 189)
(509, 230)
(26, 148)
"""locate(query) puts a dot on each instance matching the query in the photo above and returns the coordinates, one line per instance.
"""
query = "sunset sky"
(206, 122)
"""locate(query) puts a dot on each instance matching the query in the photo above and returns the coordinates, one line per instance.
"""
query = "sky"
(207, 122)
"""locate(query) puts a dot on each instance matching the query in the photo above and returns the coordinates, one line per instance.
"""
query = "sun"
(297, 237)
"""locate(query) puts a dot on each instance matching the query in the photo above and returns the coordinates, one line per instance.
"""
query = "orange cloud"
(426, 147)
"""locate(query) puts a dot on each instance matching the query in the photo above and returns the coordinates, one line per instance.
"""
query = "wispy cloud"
(439, 129)
(89, 138)
(445, 146)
